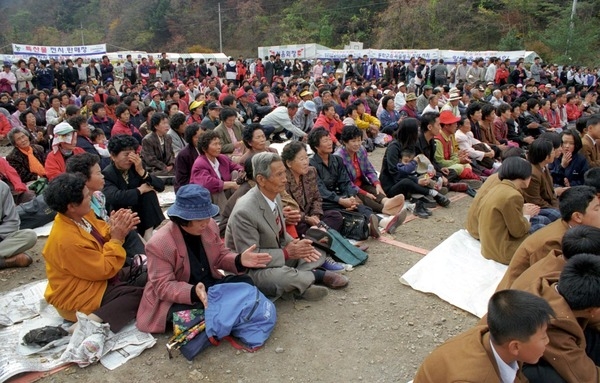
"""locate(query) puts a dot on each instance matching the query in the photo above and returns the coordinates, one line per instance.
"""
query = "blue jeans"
(538, 222)
(551, 213)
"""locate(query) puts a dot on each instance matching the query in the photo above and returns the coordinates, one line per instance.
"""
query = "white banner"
(59, 51)
(301, 51)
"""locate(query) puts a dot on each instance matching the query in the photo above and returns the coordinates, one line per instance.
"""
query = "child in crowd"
(99, 139)
(417, 167)
(515, 333)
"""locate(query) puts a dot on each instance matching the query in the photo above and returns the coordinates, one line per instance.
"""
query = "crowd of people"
(103, 140)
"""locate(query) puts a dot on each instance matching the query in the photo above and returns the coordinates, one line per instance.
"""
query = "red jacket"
(169, 272)
(5, 125)
(55, 163)
(333, 126)
(573, 112)
(12, 175)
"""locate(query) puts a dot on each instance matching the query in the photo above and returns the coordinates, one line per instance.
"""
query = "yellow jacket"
(363, 122)
(77, 267)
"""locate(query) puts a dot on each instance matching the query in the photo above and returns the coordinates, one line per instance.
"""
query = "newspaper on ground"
(22, 303)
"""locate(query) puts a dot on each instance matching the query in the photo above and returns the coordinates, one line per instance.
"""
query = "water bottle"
(430, 171)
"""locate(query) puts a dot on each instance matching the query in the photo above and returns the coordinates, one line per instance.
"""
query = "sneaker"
(396, 221)
(333, 266)
(442, 200)
(314, 293)
(374, 226)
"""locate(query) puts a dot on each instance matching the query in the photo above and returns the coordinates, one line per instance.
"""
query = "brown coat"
(467, 357)
(566, 350)
(534, 248)
(502, 226)
(487, 134)
(472, 224)
(591, 151)
(306, 193)
(153, 156)
(540, 190)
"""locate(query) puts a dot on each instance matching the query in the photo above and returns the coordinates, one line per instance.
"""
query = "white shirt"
(428, 108)
(215, 166)
(399, 101)
(490, 73)
(508, 372)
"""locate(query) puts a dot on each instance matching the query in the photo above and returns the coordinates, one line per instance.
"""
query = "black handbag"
(355, 226)
(35, 213)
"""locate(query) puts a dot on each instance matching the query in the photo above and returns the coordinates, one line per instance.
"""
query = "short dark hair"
(176, 121)
(97, 106)
(248, 133)
(581, 239)
(592, 178)
(515, 314)
(112, 100)
(326, 106)
(575, 200)
(531, 103)
(190, 132)
(291, 150)
(95, 133)
(428, 119)
(121, 142)
(23, 116)
(82, 163)
(314, 137)
(76, 122)
(579, 282)
(553, 137)
(228, 100)
(65, 189)
(487, 110)
(514, 168)
(539, 150)
(350, 132)
(227, 113)
(120, 109)
(473, 108)
(156, 119)
(146, 111)
(407, 152)
(593, 120)
(576, 139)
(206, 139)
(502, 108)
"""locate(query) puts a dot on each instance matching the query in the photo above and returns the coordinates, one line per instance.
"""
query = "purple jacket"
(366, 167)
(203, 173)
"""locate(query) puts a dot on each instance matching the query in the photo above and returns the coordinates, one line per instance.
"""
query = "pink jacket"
(169, 272)
(203, 173)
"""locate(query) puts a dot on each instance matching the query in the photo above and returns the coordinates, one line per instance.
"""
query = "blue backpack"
(240, 311)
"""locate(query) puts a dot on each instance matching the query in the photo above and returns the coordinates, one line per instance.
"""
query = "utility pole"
(220, 32)
(81, 27)
(571, 26)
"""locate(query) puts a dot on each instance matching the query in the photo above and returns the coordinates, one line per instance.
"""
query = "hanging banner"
(59, 51)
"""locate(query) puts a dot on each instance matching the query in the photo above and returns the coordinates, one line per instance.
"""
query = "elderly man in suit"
(258, 218)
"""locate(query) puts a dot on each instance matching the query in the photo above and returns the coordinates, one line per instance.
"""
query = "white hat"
(310, 106)
(454, 96)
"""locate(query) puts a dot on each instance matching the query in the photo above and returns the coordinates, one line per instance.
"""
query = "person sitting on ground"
(389, 117)
(85, 256)
(129, 185)
(230, 133)
(26, 158)
(255, 140)
(157, 149)
(281, 119)
(364, 177)
(18, 189)
(186, 157)
(177, 125)
(335, 187)
(515, 333)
(502, 222)
(447, 153)
(330, 120)
(63, 147)
(302, 187)
(590, 149)
(569, 167)
(13, 242)
(257, 219)
(578, 206)
(88, 165)
(185, 258)
(36, 132)
(476, 150)
(540, 190)
(99, 119)
(574, 294)
(368, 124)
(122, 124)
(213, 170)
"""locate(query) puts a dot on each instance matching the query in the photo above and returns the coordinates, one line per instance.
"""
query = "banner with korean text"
(43, 51)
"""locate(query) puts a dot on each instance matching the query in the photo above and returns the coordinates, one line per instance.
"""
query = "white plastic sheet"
(456, 272)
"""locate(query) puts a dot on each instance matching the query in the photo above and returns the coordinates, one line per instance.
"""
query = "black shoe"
(277, 139)
(421, 211)
(471, 192)
(442, 200)
(428, 203)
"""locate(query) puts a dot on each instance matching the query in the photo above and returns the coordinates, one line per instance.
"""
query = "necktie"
(277, 219)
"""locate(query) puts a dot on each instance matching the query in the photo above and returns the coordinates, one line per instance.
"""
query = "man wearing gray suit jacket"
(257, 218)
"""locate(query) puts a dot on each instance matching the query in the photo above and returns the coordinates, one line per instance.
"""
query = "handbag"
(35, 213)
(343, 249)
(39, 185)
(355, 226)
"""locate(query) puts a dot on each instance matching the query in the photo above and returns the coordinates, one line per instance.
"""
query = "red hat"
(448, 118)
(240, 93)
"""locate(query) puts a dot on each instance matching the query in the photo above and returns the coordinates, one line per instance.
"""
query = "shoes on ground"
(471, 192)
(374, 226)
(420, 210)
(396, 221)
(333, 266)
(334, 280)
(442, 200)
(474, 184)
(314, 293)
(19, 260)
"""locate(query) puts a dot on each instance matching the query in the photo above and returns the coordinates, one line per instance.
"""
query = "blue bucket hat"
(192, 203)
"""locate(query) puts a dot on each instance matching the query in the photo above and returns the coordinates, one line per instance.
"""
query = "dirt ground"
(375, 330)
